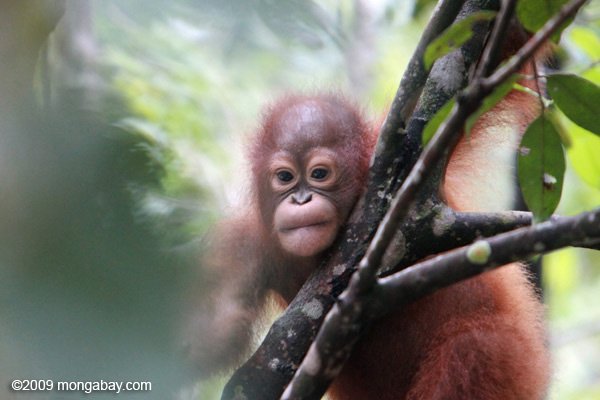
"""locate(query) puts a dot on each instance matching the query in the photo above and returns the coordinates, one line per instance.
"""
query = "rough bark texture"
(421, 217)
(267, 372)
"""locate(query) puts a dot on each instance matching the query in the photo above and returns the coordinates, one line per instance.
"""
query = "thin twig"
(493, 47)
(316, 371)
(528, 50)
(352, 316)
(444, 141)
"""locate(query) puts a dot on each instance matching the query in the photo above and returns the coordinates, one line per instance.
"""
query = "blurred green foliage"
(572, 276)
(88, 292)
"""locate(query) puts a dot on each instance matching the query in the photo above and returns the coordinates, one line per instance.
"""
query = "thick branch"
(398, 147)
(484, 255)
(274, 363)
(355, 311)
(444, 142)
(440, 87)
(452, 229)
(411, 84)
(483, 224)
(342, 326)
(449, 229)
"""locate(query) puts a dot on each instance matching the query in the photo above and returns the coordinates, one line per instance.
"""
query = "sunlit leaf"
(454, 36)
(489, 102)
(584, 155)
(578, 98)
(533, 14)
(541, 168)
(435, 121)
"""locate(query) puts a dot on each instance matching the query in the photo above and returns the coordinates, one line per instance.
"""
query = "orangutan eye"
(319, 174)
(285, 176)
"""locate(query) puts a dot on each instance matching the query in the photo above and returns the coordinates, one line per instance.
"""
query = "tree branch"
(411, 84)
(438, 90)
(448, 228)
(485, 255)
(356, 311)
(398, 147)
(528, 50)
(444, 142)
(271, 367)
(491, 51)
(348, 319)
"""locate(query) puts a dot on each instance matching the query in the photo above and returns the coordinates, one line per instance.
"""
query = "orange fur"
(482, 338)
(247, 258)
(479, 339)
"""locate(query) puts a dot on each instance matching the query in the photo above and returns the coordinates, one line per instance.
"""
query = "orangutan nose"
(301, 197)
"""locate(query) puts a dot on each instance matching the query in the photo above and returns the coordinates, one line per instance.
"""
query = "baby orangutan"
(479, 339)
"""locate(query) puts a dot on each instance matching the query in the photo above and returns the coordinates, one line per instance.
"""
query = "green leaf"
(541, 168)
(583, 154)
(434, 123)
(490, 101)
(577, 98)
(533, 14)
(454, 36)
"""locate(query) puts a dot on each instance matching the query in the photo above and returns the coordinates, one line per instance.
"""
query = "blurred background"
(122, 127)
